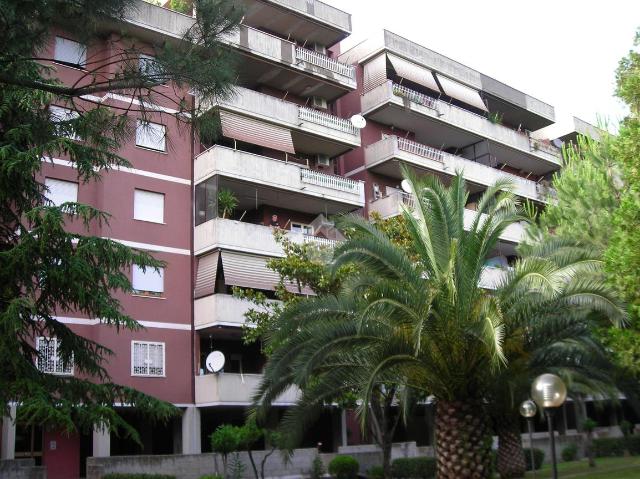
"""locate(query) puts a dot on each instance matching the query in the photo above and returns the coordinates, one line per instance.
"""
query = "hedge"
(414, 468)
(125, 475)
(344, 467)
(615, 446)
(570, 453)
(376, 472)
(538, 458)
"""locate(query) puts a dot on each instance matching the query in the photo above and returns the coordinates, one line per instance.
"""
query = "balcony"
(491, 277)
(312, 131)
(230, 389)
(309, 20)
(384, 157)
(272, 61)
(246, 237)
(311, 190)
(219, 310)
(436, 122)
(391, 205)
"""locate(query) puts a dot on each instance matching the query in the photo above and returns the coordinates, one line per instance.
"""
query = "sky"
(563, 52)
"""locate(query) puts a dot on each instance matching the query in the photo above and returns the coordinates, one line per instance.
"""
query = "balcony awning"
(375, 73)
(206, 275)
(461, 92)
(251, 271)
(256, 132)
(412, 72)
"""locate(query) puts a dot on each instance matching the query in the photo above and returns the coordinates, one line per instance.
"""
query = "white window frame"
(139, 212)
(300, 228)
(48, 183)
(59, 368)
(80, 50)
(135, 343)
(59, 114)
(149, 270)
(144, 132)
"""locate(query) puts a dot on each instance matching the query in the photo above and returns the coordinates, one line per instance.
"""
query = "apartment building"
(291, 158)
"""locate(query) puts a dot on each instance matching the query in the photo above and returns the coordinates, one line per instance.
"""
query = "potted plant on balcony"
(227, 202)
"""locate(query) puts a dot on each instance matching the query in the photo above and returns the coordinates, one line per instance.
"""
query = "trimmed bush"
(608, 446)
(125, 475)
(414, 468)
(344, 467)
(570, 453)
(538, 458)
(376, 472)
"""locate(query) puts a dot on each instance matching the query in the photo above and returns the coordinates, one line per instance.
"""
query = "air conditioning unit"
(323, 160)
(319, 102)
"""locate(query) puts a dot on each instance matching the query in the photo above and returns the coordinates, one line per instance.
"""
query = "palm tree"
(422, 323)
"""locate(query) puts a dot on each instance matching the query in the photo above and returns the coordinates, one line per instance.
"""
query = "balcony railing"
(415, 96)
(326, 119)
(535, 145)
(420, 149)
(323, 61)
(329, 243)
(233, 388)
(322, 11)
(330, 181)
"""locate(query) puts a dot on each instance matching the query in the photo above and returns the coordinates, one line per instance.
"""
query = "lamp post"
(528, 410)
(549, 393)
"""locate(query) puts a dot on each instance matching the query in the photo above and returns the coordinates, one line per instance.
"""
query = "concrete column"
(191, 443)
(343, 428)
(101, 442)
(9, 435)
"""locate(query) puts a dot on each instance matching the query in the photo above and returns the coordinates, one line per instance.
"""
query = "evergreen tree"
(46, 269)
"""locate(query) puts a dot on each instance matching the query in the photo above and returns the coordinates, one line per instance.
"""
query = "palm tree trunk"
(463, 440)
(511, 461)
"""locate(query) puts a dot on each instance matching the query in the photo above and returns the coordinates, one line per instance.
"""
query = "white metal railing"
(420, 149)
(323, 61)
(320, 241)
(536, 144)
(415, 96)
(326, 119)
(330, 181)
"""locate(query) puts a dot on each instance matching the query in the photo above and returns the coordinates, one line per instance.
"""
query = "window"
(70, 53)
(60, 115)
(148, 65)
(49, 360)
(148, 206)
(61, 191)
(147, 358)
(151, 135)
(302, 228)
(147, 282)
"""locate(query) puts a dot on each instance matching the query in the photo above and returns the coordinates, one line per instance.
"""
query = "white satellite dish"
(215, 361)
(358, 121)
(406, 187)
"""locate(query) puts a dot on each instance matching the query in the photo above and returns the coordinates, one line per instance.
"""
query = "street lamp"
(549, 393)
(528, 410)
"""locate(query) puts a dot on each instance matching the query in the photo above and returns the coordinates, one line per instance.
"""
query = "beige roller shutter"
(375, 72)
(206, 275)
(412, 72)
(256, 132)
(461, 92)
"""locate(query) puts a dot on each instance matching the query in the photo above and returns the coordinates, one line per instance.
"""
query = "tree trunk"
(253, 464)
(463, 440)
(386, 459)
(511, 461)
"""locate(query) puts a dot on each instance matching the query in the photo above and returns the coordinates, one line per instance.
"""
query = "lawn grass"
(606, 468)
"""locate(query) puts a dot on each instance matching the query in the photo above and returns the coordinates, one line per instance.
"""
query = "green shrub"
(608, 446)
(376, 472)
(538, 458)
(570, 453)
(317, 468)
(414, 468)
(125, 475)
(344, 467)
(633, 444)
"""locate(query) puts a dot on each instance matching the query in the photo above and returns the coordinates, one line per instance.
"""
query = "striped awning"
(256, 132)
(375, 72)
(461, 92)
(412, 72)
(206, 275)
(251, 271)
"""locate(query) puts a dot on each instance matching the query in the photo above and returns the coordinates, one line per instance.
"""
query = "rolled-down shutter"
(461, 92)
(375, 72)
(256, 132)
(206, 275)
(251, 271)
(412, 72)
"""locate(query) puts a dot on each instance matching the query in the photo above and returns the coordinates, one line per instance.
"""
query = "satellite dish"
(215, 361)
(558, 142)
(406, 187)
(358, 121)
